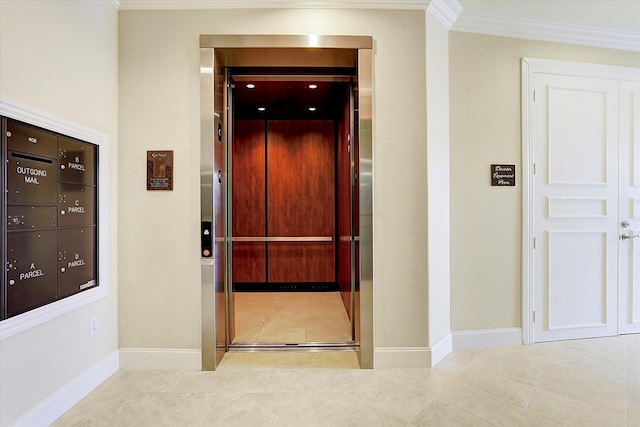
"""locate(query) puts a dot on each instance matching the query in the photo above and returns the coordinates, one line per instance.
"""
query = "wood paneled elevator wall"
(249, 201)
(284, 185)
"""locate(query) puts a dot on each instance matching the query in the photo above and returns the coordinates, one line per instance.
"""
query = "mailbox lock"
(8, 134)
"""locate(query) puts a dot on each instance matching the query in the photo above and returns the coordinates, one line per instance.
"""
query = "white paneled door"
(629, 208)
(586, 183)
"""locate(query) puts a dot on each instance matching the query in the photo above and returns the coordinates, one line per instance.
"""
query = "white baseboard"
(160, 359)
(441, 349)
(504, 337)
(50, 409)
(402, 357)
(413, 357)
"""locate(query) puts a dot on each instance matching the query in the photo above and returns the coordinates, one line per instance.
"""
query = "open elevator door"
(213, 264)
(291, 211)
(219, 52)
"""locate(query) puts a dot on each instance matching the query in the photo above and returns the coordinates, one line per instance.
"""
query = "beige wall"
(159, 109)
(485, 128)
(60, 58)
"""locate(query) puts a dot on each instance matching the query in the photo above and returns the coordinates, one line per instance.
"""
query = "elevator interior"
(296, 211)
(290, 203)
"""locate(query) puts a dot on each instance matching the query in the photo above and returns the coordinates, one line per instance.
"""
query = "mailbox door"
(76, 260)
(77, 162)
(31, 180)
(76, 205)
(29, 139)
(31, 270)
(31, 217)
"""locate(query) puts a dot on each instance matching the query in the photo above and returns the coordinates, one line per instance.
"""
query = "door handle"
(628, 236)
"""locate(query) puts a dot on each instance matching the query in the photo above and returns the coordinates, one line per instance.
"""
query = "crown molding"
(445, 11)
(269, 4)
(448, 12)
(549, 31)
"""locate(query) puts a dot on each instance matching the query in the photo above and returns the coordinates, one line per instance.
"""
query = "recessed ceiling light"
(251, 86)
(312, 109)
(261, 109)
(313, 86)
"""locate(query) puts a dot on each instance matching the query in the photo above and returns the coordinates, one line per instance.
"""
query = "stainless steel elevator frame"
(220, 51)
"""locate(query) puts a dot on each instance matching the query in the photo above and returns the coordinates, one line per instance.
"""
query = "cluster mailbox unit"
(49, 206)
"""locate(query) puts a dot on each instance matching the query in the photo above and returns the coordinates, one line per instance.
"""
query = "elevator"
(286, 205)
(290, 209)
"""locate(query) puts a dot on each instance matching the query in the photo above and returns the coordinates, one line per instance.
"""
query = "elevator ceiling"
(284, 96)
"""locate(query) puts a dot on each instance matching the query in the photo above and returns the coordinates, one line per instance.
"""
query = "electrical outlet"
(93, 325)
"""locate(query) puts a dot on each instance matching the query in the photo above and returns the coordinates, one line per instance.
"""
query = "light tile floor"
(290, 317)
(578, 383)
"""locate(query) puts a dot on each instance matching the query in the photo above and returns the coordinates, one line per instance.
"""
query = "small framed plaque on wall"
(503, 175)
(160, 170)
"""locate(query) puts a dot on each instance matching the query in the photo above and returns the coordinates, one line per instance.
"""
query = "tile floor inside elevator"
(290, 317)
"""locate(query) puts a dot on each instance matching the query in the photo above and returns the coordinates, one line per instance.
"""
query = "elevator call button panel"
(49, 202)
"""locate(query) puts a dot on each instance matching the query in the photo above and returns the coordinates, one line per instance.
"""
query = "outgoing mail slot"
(76, 205)
(77, 162)
(31, 180)
(31, 270)
(31, 217)
(76, 260)
(28, 139)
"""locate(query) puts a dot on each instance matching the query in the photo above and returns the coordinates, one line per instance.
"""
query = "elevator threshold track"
(305, 346)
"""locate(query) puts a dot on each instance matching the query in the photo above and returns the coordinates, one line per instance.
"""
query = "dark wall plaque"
(503, 175)
(160, 170)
